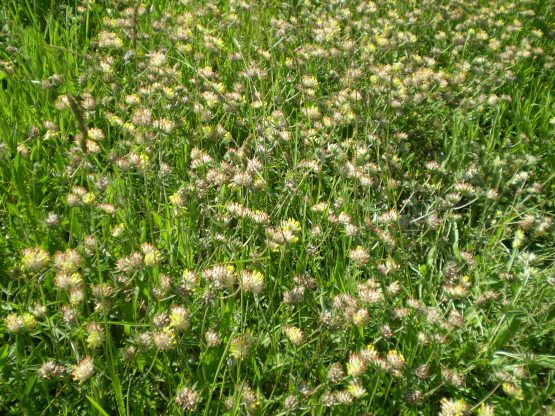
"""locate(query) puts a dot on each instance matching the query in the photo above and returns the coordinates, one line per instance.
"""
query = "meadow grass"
(277, 208)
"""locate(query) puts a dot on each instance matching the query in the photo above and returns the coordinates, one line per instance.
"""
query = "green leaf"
(97, 406)
(30, 384)
(157, 219)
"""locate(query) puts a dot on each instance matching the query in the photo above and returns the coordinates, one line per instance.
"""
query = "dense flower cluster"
(263, 207)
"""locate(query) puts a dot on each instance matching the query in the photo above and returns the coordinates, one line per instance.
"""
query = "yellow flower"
(395, 359)
(29, 321)
(294, 334)
(512, 390)
(34, 259)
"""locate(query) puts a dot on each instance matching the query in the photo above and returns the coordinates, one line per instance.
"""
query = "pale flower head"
(84, 370)
(294, 334)
(252, 282)
(35, 259)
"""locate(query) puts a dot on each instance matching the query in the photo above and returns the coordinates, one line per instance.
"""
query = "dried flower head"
(359, 256)
(51, 370)
(212, 339)
(187, 398)
(164, 340)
